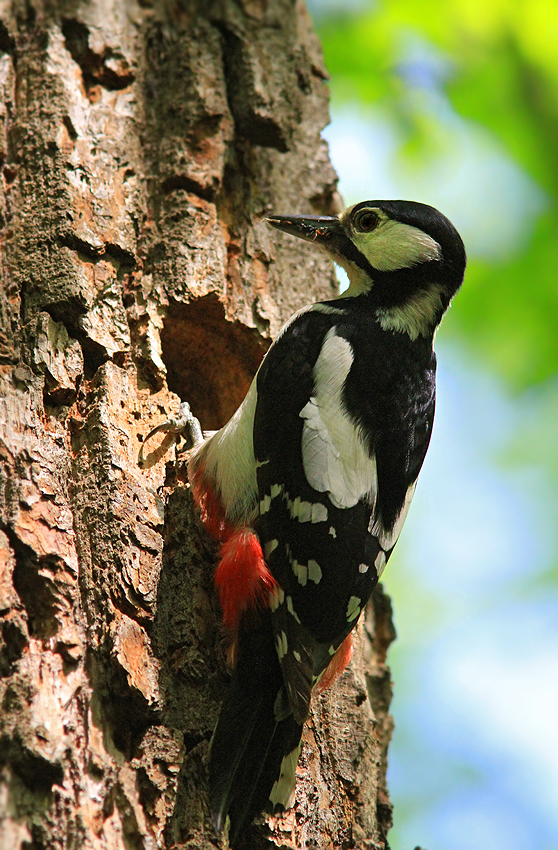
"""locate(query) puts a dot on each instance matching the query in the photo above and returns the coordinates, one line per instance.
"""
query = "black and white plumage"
(320, 463)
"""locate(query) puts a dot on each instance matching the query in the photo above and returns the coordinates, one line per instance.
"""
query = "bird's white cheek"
(394, 245)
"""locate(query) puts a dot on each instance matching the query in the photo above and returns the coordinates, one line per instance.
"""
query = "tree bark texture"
(140, 146)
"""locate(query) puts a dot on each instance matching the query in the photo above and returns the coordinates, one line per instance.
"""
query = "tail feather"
(252, 758)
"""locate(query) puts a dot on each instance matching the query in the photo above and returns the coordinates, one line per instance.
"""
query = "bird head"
(405, 259)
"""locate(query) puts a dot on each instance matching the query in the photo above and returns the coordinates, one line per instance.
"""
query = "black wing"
(324, 556)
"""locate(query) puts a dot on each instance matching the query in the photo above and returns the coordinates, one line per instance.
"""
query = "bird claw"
(183, 426)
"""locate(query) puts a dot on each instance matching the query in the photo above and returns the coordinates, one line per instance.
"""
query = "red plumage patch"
(337, 664)
(211, 509)
(242, 577)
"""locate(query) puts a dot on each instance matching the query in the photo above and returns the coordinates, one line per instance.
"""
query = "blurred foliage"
(496, 61)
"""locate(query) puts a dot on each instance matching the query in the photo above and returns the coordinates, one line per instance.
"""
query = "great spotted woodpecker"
(308, 485)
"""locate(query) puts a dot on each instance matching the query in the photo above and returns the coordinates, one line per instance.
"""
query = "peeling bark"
(141, 144)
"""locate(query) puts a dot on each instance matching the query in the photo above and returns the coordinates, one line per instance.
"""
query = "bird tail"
(255, 747)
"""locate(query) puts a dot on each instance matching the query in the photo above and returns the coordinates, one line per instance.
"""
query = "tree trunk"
(141, 144)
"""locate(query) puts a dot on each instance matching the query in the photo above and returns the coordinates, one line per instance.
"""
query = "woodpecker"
(308, 485)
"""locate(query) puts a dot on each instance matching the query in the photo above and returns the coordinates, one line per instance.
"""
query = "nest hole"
(210, 360)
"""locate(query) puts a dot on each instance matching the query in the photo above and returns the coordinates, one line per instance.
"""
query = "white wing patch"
(282, 792)
(319, 512)
(353, 608)
(282, 645)
(270, 547)
(380, 562)
(305, 511)
(335, 458)
(276, 597)
(304, 572)
(291, 610)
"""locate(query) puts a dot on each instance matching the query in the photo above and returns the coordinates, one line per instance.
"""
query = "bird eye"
(366, 220)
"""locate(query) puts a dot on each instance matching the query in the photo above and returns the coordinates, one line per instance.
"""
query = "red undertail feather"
(211, 509)
(337, 664)
(242, 577)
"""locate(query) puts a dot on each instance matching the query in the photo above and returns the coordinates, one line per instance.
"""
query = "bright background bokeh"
(456, 104)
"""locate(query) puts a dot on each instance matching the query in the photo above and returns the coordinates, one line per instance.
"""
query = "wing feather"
(335, 457)
(313, 460)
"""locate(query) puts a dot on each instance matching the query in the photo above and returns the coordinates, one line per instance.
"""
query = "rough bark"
(140, 146)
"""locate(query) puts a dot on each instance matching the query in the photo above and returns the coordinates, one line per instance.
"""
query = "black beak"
(322, 229)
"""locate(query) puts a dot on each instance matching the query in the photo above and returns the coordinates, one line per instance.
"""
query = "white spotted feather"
(387, 538)
(335, 458)
(282, 793)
